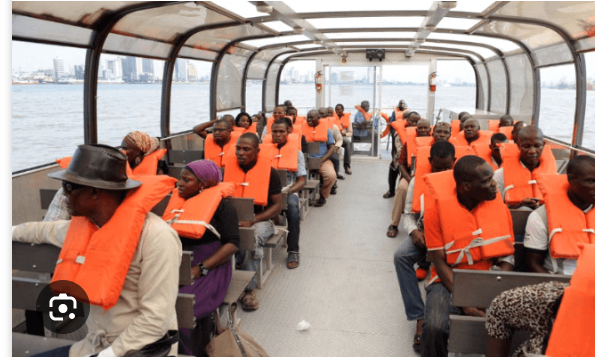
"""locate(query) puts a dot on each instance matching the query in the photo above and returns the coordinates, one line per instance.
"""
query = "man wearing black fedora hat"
(125, 258)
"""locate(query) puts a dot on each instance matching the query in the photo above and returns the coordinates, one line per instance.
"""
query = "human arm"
(329, 153)
(201, 129)
(349, 132)
(536, 242)
(403, 163)
(438, 258)
(41, 232)
(221, 256)
(271, 211)
(298, 185)
(338, 137)
(410, 219)
(225, 221)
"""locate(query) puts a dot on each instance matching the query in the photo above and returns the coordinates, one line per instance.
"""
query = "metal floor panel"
(345, 286)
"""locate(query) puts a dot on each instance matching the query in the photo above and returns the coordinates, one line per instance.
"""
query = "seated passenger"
(505, 120)
(399, 139)
(287, 156)
(315, 131)
(279, 112)
(261, 122)
(199, 197)
(244, 120)
(440, 132)
(360, 123)
(288, 103)
(335, 128)
(461, 204)
(516, 129)
(423, 129)
(132, 294)
(456, 125)
(567, 219)
(221, 143)
(471, 134)
(491, 152)
(517, 178)
(347, 132)
(413, 249)
(255, 178)
(201, 129)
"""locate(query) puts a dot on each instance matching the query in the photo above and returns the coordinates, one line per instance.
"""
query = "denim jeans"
(406, 256)
(434, 336)
(335, 160)
(56, 352)
(293, 223)
(263, 231)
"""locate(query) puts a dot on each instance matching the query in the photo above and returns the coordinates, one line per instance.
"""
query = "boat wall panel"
(482, 102)
(498, 86)
(189, 52)
(23, 26)
(136, 46)
(216, 39)
(521, 86)
(271, 87)
(26, 199)
(85, 13)
(559, 53)
(585, 44)
(229, 79)
(534, 36)
(261, 61)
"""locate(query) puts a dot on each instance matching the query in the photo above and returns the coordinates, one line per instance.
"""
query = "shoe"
(334, 190)
(340, 177)
(249, 301)
(392, 231)
(417, 343)
(388, 194)
(293, 260)
(321, 201)
(421, 274)
(348, 170)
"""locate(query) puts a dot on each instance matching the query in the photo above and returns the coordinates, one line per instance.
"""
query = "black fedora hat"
(99, 166)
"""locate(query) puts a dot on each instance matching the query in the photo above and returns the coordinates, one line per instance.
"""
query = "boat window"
(253, 96)
(457, 23)
(407, 82)
(589, 131)
(297, 85)
(304, 47)
(47, 103)
(215, 40)
(367, 35)
(456, 86)
(28, 27)
(502, 45)
(229, 79)
(79, 12)
(534, 36)
(136, 46)
(262, 59)
(190, 94)
(521, 87)
(497, 86)
(483, 95)
(128, 100)
(556, 113)
(324, 6)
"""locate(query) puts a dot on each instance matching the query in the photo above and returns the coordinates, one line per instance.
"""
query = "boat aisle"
(345, 286)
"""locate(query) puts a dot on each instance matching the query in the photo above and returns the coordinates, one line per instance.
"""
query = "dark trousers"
(199, 337)
(348, 148)
(393, 174)
(335, 160)
(293, 223)
(57, 352)
(434, 336)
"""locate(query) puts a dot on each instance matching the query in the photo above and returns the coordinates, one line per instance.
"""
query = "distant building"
(58, 67)
(79, 72)
(148, 66)
(107, 74)
(181, 70)
(146, 77)
(131, 69)
(115, 66)
(334, 77)
(192, 75)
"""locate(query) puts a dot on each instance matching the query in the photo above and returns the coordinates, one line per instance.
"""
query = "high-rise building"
(181, 70)
(79, 72)
(58, 67)
(148, 66)
(131, 68)
(115, 66)
(192, 75)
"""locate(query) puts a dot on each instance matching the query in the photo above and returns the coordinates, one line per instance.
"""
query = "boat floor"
(346, 285)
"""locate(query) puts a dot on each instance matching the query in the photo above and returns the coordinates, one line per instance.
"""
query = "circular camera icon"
(63, 307)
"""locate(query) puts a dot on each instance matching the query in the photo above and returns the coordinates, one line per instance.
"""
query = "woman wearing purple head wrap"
(211, 265)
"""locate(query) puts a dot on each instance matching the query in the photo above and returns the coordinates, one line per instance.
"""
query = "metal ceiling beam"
(486, 13)
(223, 11)
(437, 11)
(445, 49)
(382, 13)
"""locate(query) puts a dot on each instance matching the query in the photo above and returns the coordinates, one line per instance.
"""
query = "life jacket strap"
(532, 182)
(80, 259)
(554, 231)
(589, 230)
(245, 184)
(466, 251)
(278, 156)
(508, 188)
(176, 220)
(221, 153)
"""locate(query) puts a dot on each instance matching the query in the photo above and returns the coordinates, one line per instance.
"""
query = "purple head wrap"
(206, 171)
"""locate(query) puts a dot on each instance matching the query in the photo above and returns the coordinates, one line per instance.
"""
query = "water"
(47, 120)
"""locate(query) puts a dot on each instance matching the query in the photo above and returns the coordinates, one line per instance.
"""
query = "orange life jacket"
(268, 138)
(519, 182)
(399, 114)
(64, 162)
(217, 154)
(98, 259)
(335, 121)
(470, 238)
(149, 164)
(412, 140)
(300, 119)
(318, 133)
(239, 129)
(483, 150)
(400, 126)
(286, 158)
(484, 137)
(422, 168)
(455, 128)
(568, 225)
(367, 116)
(345, 120)
(507, 130)
(254, 183)
(576, 316)
(190, 218)
(424, 141)
(494, 125)
(297, 129)
(252, 128)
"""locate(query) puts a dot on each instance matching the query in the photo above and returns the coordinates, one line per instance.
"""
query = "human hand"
(473, 311)
(532, 203)
(246, 224)
(195, 271)
(419, 239)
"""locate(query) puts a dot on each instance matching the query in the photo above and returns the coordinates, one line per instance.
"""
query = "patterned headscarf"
(206, 171)
(142, 141)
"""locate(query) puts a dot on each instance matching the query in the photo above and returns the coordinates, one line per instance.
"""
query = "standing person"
(347, 133)
(199, 197)
(362, 122)
(413, 250)
(286, 155)
(459, 204)
(133, 294)
(250, 166)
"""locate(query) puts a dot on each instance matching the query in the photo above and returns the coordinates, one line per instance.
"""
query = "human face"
(471, 128)
(402, 104)
(339, 110)
(313, 118)
(246, 152)
(77, 203)
(440, 133)
(582, 184)
(330, 111)
(188, 185)
(279, 134)
(221, 133)
(365, 106)
(278, 113)
(483, 187)
(293, 114)
(131, 154)
(412, 120)
(423, 128)
(440, 164)
(322, 113)
(244, 122)
(495, 147)
(531, 147)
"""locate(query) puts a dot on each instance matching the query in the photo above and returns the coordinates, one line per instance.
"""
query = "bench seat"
(24, 345)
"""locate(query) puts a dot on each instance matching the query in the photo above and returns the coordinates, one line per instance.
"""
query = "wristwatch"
(203, 270)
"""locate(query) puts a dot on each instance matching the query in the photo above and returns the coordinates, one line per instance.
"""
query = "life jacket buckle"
(245, 184)
(533, 182)
(80, 259)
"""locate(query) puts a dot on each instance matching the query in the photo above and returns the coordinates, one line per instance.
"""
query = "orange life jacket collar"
(317, 133)
(255, 182)
(217, 153)
(149, 164)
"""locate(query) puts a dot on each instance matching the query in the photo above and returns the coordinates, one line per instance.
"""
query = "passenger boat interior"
(345, 287)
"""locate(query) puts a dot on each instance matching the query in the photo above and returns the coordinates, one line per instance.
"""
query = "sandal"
(293, 260)
(417, 343)
(249, 301)
(392, 231)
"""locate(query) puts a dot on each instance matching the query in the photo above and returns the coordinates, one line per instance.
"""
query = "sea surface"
(47, 119)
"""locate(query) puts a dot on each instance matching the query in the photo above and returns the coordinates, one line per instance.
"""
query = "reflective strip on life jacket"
(254, 183)
(568, 225)
(98, 259)
(318, 133)
(519, 182)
